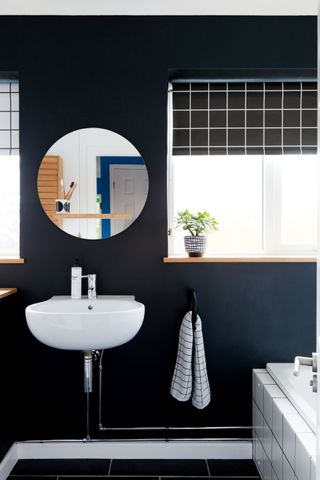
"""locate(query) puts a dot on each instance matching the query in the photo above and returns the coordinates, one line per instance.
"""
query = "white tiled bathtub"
(284, 423)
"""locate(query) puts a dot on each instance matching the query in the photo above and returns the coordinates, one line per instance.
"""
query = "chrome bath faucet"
(310, 361)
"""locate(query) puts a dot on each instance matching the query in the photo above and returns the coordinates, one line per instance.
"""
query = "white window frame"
(13, 253)
(271, 201)
(170, 177)
(12, 151)
(272, 213)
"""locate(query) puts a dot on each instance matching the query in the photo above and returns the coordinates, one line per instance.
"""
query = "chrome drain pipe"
(101, 428)
(88, 357)
(87, 364)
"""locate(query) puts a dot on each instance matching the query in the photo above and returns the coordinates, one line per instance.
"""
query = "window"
(9, 170)
(245, 152)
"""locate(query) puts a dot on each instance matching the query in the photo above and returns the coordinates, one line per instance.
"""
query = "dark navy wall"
(112, 73)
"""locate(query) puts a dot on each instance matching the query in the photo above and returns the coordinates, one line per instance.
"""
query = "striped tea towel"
(190, 374)
(201, 394)
(181, 385)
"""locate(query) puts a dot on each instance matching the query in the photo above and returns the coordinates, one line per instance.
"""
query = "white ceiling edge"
(159, 7)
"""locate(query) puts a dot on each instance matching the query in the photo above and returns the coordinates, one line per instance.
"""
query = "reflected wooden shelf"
(50, 179)
(110, 216)
(5, 292)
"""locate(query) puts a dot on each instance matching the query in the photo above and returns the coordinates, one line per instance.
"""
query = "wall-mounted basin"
(82, 324)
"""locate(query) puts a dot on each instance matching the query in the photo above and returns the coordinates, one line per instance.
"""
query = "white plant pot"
(195, 246)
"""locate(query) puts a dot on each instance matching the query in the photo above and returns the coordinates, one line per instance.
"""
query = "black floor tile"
(183, 477)
(132, 478)
(62, 467)
(103, 478)
(190, 468)
(87, 477)
(33, 477)
(225, 468)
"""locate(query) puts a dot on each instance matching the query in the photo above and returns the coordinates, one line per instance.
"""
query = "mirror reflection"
(92, 183)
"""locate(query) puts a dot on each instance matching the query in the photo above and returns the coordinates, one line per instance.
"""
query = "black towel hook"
(194, 306)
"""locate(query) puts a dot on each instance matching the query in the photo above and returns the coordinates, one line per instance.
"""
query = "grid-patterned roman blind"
(239, 118)
(9, 118)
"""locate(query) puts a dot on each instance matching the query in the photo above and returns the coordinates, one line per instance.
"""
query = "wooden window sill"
(244, 259)
(11, 260)
(5, 292)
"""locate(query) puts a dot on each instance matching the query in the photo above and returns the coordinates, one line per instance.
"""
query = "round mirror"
(93, 183)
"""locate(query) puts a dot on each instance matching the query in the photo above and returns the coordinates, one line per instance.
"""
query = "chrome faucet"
(92, 285)
(310, 361)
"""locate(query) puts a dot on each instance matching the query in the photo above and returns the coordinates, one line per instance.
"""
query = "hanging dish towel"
(181, 385)
(201, 394)
(190, 373)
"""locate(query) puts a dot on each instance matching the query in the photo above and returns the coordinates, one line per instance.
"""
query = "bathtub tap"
(310, 361)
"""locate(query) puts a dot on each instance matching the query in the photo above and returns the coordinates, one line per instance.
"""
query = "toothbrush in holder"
(71, 190)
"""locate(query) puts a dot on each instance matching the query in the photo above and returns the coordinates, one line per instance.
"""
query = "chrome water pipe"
(88, 357)
(87, 365)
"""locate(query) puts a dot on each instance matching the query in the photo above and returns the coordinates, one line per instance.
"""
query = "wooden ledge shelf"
(252, 259)
(112, 216)
(12, 260)
(5, 292)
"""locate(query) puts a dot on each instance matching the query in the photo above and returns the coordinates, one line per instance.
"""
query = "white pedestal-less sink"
(82, 324)
(88, 325)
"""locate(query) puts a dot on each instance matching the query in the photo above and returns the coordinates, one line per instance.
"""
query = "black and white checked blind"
(9, 118)
(239, 118)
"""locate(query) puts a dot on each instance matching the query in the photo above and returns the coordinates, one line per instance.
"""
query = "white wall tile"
(254, 415)
(305, 449)
(254, 379)
(254, 433)
(267, 440)
(254, 443)
(292, 424)
(309, 442)
(270, 392)
(273, 475)
(259, 456)
(258, 423)
(276, 458)
(287, 472)
(313, 468)
(279, 426)
(267, 469)
(280, 407)
(260, 379)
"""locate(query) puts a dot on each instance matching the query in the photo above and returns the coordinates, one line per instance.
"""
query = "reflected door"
(129, 187)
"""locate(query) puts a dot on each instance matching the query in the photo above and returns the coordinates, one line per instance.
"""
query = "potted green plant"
(197, 224)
